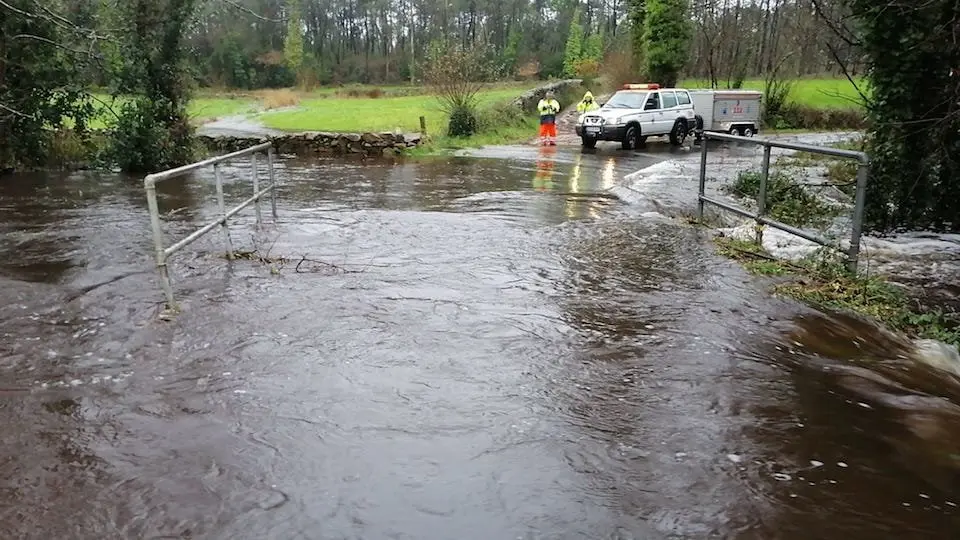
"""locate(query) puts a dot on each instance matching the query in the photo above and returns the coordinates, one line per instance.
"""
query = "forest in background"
(273, 43)
(250, 44)
(57, 55)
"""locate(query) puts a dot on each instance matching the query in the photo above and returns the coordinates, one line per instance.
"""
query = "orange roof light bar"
(648, 86)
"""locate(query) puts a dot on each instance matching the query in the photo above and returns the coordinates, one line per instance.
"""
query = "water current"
(499, 347)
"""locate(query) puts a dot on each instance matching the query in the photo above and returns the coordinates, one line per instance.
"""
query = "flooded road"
(496, 347)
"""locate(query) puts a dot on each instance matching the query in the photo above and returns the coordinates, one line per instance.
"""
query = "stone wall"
(529, 99)
(318, 143)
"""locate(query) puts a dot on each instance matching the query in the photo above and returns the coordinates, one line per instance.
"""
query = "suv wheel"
(631, 140)
(588, 142)
(679, 133)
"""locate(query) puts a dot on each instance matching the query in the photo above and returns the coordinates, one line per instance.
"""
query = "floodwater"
(460, 347)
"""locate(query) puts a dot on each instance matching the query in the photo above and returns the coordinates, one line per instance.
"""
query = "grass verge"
(817, 93)
(822, 281)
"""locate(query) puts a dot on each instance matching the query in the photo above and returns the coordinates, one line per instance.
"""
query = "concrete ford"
(636, 112)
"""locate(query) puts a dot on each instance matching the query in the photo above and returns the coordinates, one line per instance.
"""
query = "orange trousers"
(548, 131)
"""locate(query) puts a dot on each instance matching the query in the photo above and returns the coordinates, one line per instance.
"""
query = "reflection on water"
(543, 178)
(501, 348)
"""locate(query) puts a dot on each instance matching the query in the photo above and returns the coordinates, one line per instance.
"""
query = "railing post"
(703, 176)
(853, 254)
(151, 188)
(762, 194)
(256, 186)
(223, 211)
(273, 184)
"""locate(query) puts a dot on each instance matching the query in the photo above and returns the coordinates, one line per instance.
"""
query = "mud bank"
(318, 143)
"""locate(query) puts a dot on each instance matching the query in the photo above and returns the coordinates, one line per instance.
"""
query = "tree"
(293, 43)
(666, 40)
(637, 13)
(512, 50)
(573, 51)
(152, 131)
(593, 48)
(914, 140)
(456, 75)
(40, 80)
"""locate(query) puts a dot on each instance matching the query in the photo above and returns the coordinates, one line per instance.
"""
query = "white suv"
(636, 112)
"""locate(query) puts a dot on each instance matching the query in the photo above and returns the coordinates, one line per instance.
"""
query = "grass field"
(364, 114)
(201, 108)
(387, 108)
(817, 93)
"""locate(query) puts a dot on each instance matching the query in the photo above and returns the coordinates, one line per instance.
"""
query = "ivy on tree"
(914, 111)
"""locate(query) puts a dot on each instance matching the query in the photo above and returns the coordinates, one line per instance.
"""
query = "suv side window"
(683, 98)
(669, 99)
(653, 102)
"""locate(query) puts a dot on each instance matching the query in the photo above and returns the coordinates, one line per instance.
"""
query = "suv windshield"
(627, 100)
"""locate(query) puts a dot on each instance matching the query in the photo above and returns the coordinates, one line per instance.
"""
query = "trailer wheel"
(734, 130)
(748, 131)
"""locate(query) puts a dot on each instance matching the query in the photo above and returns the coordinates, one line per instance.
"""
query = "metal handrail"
(150, 185)
(863, 173)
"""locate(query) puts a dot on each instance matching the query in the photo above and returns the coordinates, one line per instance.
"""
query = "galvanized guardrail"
(150, 184)
(863, 172)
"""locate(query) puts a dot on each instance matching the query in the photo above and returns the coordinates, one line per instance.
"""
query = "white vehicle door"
(668, 103)
(650, 117)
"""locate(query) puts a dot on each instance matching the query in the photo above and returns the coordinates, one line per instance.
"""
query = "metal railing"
(863, 172)
(150, 184)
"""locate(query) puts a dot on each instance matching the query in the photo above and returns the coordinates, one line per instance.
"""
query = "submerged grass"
(787, 200)
(823, 281)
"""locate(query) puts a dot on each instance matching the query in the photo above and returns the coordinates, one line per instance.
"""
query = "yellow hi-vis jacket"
(548, 107)
(587, 104)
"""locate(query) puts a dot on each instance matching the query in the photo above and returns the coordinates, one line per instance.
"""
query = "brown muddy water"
(489, 348)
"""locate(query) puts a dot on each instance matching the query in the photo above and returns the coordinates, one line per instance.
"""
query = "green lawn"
(200, 109)
(365, 114)
(207, 108)
(819, 93)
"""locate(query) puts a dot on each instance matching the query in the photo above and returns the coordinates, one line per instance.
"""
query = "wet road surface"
(484, 348)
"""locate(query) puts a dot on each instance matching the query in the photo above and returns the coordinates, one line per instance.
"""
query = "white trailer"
(729, 111)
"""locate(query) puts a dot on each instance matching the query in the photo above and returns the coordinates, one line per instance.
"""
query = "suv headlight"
(580, 119)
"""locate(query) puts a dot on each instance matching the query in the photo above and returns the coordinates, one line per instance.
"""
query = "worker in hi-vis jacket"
(548, 108)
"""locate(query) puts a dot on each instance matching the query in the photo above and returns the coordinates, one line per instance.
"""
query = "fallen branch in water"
(319, 265)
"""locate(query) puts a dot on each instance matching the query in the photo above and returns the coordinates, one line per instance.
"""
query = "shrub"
(793, 116)
(150, 135)
(275, 99)
(786, 199)
(463, 121)
(588, 70)
(69, 149)
(456, 76)
(503, 114)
